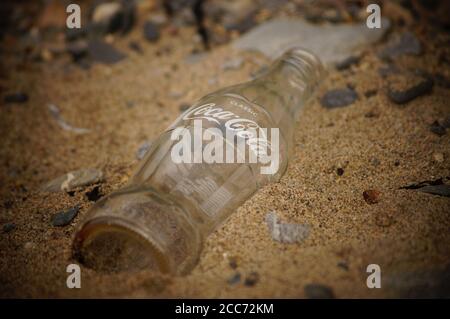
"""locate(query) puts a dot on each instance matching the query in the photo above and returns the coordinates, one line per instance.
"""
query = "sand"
(379, 146)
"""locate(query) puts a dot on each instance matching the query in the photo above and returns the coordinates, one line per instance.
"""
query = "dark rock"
(441, 190)
(438, 129)
(103, 52)
(235, 279)
(438, 181)
(405, 43)
(18, 97)
(338, 98)
(251, 279)
(233, 263)
(94, 194)
(403, 89)
(316, 291)
(347, 63)
(64, 218)
(112, 17)
(151, 31)
(371, 196)
(340, 171)
(8, 227)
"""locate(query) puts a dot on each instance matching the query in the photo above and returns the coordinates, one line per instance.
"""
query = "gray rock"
(72, 180)
(338, 98)
(63, 218)
(235, 279)
(143, 149)
(286, 233)
(405, 43)
(409, 91)
(103, 52)
(315, 291)
(232, 64)
(441, 190)
(151, 31)
(331, 43)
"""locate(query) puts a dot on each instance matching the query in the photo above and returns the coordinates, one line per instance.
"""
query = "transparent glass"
(162, 217)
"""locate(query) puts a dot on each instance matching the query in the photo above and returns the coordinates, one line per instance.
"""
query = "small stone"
(316, 291)
(441, 190)
(343, 265)
(103, 52)
(143, 149)
(151, 31)
(438, 157)
(235, 279)
(405, 43)
(286, 233)
(251, 279)
(370, 93)
(338, 98)
(233, 262)
(402, 89)
(74, 179)
(340, 171)
(232, 64)
(64, 218)
(18, 97)
(347, 63)
(371, 196)
(9, 227)
(29, 245)
(438, 129)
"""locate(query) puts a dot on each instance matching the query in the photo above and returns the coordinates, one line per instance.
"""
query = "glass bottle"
(164, 214)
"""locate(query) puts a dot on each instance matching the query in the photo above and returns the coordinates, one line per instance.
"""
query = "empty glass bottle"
(162, 217)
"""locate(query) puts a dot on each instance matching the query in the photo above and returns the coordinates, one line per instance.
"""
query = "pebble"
(136, 47)
(77, 49)
(252, 279)
(74, 179)
(441, 190)
(18, 97)
(400, 44)
(331, 43)
(64, 218)
(438, 129)
(235, 279)
(340, 171)
(286, 233)
(316, 291)
(403, 89)
(371, 196)
(151, 31)
(103, 52)
(338, 98)
(9, 227)
(143, 149)
(232, 64)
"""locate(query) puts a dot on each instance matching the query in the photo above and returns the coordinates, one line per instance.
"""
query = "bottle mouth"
(112, 245)
(135, 230)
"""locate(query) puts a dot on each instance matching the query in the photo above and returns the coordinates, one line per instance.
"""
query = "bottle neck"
(291, 79)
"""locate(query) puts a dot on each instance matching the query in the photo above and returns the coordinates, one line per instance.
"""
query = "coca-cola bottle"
(205, 165)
